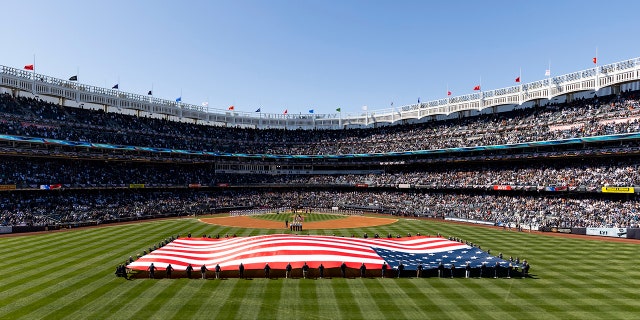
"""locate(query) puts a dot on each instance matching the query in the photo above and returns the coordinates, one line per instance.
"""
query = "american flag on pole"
(280, 249)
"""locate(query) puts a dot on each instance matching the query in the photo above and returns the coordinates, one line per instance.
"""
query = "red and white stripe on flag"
(280, 249)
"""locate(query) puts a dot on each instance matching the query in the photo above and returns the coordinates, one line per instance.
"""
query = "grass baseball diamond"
(69, 275)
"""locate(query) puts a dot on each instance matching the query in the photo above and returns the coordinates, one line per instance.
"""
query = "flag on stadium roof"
(280, 249)
(518, 79)
(150, 93)
(231, 108)
(595, 60)
(179, 99)
(310, 110)
(476, 88)
(115, 86)
(73, 78)
(258, 110)
(285, 111)
(339, 109)
(547, 72)
(448, 93)
(29, 67)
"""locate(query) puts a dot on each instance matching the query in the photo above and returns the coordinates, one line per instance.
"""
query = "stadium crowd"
(590, 173)
(580, 118)
(52, 207)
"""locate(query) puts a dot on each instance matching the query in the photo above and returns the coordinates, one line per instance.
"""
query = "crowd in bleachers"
(590, 117)
(51, 207)
(590, 173)
(580, 118)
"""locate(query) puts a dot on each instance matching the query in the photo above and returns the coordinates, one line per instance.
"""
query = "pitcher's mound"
(348, 222)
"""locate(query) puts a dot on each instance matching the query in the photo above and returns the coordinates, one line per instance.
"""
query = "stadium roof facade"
(606, 79)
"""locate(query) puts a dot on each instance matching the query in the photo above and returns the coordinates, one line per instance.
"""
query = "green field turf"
(70, 275)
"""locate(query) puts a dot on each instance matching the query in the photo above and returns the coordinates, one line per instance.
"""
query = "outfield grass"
(70, 275)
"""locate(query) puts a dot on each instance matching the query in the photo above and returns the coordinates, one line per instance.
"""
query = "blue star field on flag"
(431, 260)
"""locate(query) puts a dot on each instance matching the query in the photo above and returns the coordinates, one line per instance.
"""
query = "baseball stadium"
(521, 206)
(518, 201)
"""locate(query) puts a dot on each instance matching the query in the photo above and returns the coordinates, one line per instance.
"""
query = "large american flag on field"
(280, 249)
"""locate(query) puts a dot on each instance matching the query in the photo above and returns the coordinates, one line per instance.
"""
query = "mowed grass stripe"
(30, 289)
(52, 269)
(68, 239)
(25, 244)
(197, 296)
(327, 303)
(56, 257)
(308, 297)
(344, 298)
(363, 299)
(473, 303)
(395, 292)
(252, 300)
(422, 293)
(217, 292)
(164, 297)
(92, 302)
(144, 293)
(30, 297)
(289, 300)
(231, 306)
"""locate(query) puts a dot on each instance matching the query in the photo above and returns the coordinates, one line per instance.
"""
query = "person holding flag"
(203, 271)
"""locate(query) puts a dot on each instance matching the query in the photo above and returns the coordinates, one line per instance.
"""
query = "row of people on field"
(484, 271)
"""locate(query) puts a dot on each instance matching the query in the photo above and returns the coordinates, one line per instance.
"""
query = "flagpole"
(549, 79)
(597, 71)
(520, 95)
(33, 75)
(481, 95)
(76, 84)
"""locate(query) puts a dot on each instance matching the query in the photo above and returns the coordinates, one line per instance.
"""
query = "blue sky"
(320, 55)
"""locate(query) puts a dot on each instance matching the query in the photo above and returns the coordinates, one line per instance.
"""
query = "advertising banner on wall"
(618, 189)
(608, 232)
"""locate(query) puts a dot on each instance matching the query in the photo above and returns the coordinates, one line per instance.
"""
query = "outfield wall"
(624, 233)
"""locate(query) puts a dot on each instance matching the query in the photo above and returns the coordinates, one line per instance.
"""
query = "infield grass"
(70, 275)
